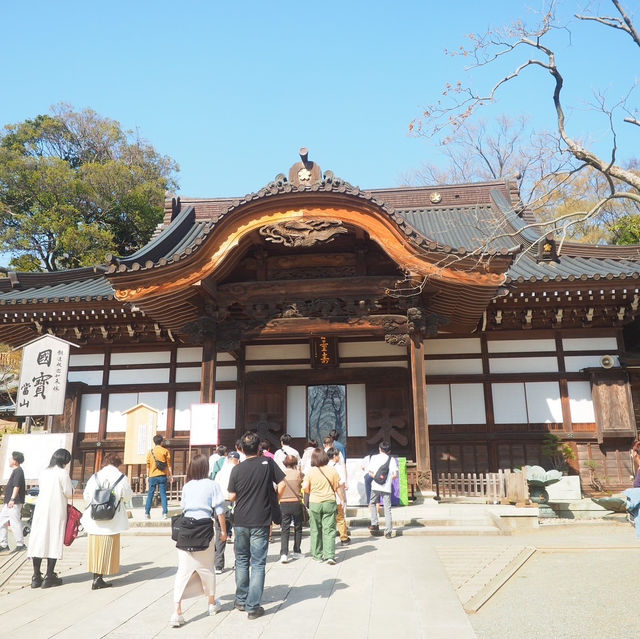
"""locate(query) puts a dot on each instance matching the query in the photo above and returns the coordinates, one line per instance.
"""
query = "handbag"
(303, 506)
(176, 524)
(72, 528)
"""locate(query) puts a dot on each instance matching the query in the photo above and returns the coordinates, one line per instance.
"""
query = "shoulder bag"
(303, 505)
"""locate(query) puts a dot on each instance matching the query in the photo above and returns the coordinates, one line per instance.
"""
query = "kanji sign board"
(43, 376)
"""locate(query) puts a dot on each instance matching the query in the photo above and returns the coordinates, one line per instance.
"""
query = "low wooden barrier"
(504, 485)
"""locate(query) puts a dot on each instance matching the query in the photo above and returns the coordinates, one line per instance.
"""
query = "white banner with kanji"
(43, 377)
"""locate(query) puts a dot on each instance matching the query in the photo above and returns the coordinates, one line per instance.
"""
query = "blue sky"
(231, 91)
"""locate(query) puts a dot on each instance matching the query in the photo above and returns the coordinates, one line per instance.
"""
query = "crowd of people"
(233, 496)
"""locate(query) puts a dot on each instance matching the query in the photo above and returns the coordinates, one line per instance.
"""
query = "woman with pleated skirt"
(104, 535)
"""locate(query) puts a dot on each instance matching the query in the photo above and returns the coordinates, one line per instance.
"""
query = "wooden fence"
(505, 485)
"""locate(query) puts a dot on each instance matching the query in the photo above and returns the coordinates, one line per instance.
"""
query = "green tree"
(75, 186)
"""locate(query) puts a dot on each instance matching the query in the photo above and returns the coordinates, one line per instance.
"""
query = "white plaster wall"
(521, 345)
(226, 373)
(278, 351)
(189, 354)
(87, 359)
(543, 402)
(93, 378)
(297, 411)
(438, 404)
(370, 349)
(603, 344)
(118, 403)
(273, 367)
(184, 399)
(188, 375)
(227, 401)
(398, 364)
(356, 410)
(573, 363)
(467, 404)
(509, 403)
(452, 346)
(89, 414)
(145, 357)
(523, 365)
(581, 402)
(453, 366)
(140, 376)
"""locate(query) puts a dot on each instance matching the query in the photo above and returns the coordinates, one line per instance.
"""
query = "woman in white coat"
(104, 535)
(50, 519)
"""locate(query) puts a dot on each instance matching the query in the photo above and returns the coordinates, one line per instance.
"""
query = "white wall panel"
(356, 410)
(87, 359)
(148, 357)
(438, 404)
(184, 375)
(227, 401)
(452, 346)
(398, 364)
(543, 402)
(158, 401)
(118, 403)
(453, 366)
(140, 376)
(604, 344)
(574, 364)
(184, 399)
(509, 403)
(189, 354)
(523, 365)
(225, 357)
(273, 367)
(93, 378)
(580, 402)
(467, 403)
(521, 345)
(370, 349)
(297, 411)
(226, 373)
(89, 414)
(278, 351)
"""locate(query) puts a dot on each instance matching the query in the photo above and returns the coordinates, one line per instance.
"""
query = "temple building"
(434, 317)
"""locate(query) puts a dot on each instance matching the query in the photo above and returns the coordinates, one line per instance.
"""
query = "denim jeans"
(161, 483)
(251, 546)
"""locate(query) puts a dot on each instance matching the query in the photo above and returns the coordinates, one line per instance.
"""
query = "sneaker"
(165, 516)
(147, 516)
(50, 581)
(389, 535)
(176, 620)
(214, 608)
(284, 559)
(19, 547)
(239, 606)
(4, 548)
(331, 561)
(374, 528)
(256, 614)
(345, 542)
(296, 555)
(218, 571)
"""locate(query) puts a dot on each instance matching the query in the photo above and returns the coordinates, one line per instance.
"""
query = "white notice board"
(205, 422)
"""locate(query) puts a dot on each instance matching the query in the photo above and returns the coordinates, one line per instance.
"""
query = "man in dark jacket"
(14, 495)
(251, 487)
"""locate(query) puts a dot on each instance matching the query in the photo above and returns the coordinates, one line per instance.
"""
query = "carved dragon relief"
(302, 233)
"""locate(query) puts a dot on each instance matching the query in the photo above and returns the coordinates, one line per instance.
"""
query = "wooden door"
(265, 411)
(388, 418)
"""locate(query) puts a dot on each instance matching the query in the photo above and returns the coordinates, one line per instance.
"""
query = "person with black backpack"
(106, 517)
(159, 473)
(383, 469)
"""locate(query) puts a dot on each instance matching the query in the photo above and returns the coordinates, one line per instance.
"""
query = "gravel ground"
(578, 593)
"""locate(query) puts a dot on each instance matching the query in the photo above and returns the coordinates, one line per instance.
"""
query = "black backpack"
(103, 505)
(382, 473)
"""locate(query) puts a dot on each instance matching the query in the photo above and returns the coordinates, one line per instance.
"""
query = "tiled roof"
(31, 289)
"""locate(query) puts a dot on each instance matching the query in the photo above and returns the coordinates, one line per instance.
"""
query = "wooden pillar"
(208, 383)
(420, 424)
